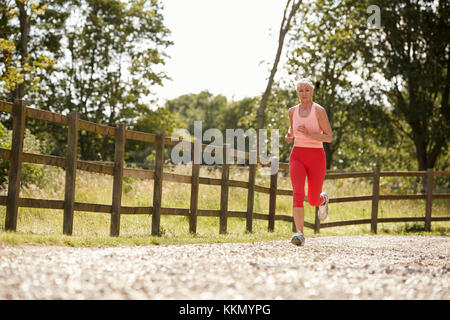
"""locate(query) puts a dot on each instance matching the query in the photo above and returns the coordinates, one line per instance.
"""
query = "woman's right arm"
(290, 135)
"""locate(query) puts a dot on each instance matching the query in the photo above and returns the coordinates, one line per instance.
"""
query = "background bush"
(31, 173)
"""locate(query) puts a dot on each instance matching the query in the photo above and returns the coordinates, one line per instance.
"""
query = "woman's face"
(304, 92)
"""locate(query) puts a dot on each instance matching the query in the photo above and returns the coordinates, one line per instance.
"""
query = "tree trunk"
(328, 154)
(285, 26)
(24, 30)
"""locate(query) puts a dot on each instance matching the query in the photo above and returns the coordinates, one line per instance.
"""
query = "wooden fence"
(71, 164)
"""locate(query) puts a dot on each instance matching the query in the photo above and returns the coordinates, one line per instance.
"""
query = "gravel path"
(352, 267)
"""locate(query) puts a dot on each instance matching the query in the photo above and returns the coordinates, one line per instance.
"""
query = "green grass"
(43, 226)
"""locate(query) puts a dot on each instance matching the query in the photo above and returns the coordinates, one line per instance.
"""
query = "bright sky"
(219, 46)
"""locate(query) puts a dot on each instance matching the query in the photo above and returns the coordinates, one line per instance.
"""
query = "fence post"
(224, 190)
(71, 172)
(316, 220)
(429, 201)
(375, 199)
(118, 177)
(157, 183)
(15, 164)
(251, 190)
(273, 197)
(196, 152)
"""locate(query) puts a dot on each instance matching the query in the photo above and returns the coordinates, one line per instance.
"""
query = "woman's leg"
(297, 173)
(315, 163)
(299, 217)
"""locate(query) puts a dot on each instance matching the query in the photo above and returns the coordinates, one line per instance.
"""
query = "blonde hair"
(306, 81)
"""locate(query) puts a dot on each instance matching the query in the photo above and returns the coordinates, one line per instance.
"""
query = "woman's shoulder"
(291, 109)
(319, 108)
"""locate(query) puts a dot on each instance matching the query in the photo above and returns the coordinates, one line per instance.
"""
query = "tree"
(151, 122)
(239, 114)
(282, 98)
(29, 44)
(413, 54)
(203, 106)
(328, 46)
(214, 112)
(112, 48)
(288, 15)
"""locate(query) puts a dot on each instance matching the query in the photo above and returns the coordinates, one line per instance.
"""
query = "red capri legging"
(311, 163)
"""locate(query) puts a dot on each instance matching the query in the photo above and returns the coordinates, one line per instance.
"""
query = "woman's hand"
(303, 130)
(288, 137)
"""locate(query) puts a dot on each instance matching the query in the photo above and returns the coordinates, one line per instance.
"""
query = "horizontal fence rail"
(71, 164)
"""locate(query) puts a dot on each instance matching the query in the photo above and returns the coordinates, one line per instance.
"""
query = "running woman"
(309, 129)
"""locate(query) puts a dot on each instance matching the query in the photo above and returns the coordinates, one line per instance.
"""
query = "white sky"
(219, 46)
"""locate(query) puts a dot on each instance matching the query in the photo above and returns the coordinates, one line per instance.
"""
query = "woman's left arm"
(324, 124)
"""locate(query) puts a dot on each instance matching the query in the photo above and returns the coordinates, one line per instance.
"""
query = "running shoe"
(323, 208)
(298, 239)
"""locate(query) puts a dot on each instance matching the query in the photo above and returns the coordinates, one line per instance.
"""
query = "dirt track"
(353, 267)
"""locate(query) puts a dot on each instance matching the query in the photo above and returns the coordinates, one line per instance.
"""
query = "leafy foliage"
(30, 173)
(108, 52)
(40, 48)
(413, 54)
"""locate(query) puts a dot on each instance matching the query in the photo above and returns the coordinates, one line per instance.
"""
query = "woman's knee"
(298, 199)
(315, 201)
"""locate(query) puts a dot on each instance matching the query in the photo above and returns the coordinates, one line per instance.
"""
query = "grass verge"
(44, 227)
